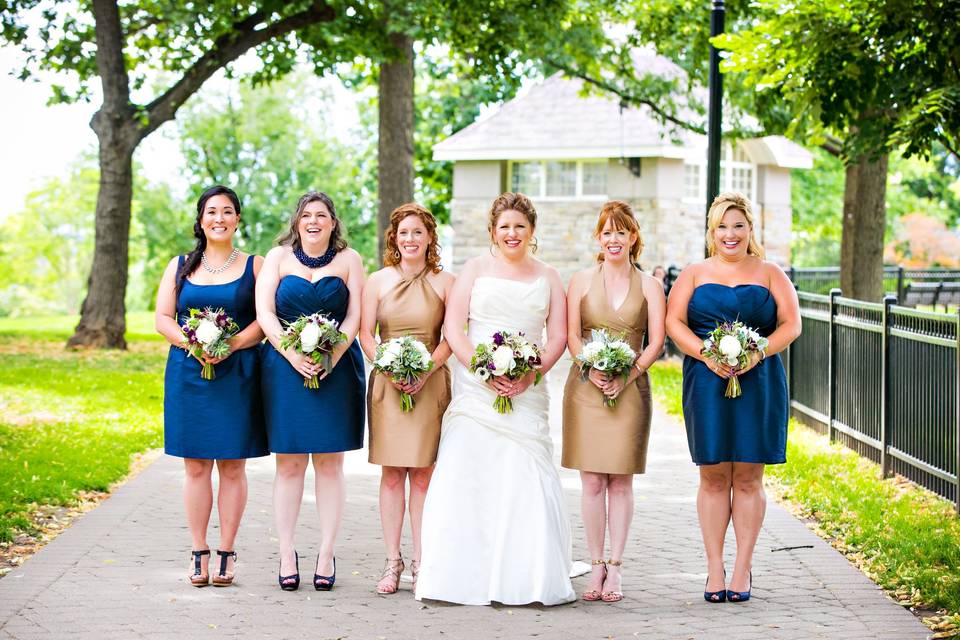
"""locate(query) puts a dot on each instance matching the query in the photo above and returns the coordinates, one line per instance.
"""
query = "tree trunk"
(103, 314)
(864, 223)
(395, 148)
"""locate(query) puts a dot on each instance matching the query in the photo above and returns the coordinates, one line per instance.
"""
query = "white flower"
(730, 347)
(309, 337)
(424, 353)
(482, 374)
(528, 352)
(207, 332)
(601, 364)
(591, 350)
(503, 360)
(708, 344)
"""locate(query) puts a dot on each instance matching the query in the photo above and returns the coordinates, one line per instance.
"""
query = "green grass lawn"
(903, 537)
(70, 421)
(139, 327)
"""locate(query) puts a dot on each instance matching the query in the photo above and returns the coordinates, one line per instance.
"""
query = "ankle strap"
(197, 554)
(614, 563)
(601, 561)
(226, 553)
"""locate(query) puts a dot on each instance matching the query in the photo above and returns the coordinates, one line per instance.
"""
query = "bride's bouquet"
(404, 360)
(608, 354)
(315, 336)
(207, 332)
(507, 354)
(732, 343)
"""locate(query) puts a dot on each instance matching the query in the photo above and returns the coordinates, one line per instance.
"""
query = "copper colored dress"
(598, 438)
(398, 439)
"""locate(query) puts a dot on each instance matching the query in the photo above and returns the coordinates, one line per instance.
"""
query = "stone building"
(571, 153)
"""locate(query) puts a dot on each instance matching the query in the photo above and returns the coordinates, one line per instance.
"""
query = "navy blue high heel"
(715, 597)
(325, 583)
(291, 582)
(740, 596)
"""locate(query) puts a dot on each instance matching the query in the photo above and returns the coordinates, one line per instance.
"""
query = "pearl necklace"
(224, 266)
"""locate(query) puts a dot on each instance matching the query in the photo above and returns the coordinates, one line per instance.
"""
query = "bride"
(495, 527)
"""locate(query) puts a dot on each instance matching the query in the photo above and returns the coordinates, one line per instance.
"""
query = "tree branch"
(627, 97)
(227, 48)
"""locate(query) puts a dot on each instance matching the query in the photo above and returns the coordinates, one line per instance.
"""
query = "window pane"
(561, 178)
(526, 178)
(594, 178)
(691, 181)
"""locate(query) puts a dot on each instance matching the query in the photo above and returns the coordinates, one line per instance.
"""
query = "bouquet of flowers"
(732, 343)
(315, 336)
(404, 360)
(507, 354)
(608, 354)
(207, 332)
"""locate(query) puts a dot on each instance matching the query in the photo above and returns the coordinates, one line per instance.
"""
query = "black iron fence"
(884, 380)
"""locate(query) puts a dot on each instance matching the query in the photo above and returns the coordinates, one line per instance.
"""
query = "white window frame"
(726, 175)
(578, 195)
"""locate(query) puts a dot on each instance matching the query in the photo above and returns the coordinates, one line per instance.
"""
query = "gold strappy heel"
(391, 570)
(593, 595)
(613, 596)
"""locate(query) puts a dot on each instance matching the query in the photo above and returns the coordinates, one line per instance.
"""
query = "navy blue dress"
(325, 420)
(753, 427)
(220, 418)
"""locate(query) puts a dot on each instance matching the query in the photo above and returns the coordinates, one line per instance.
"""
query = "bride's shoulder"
(548, 272)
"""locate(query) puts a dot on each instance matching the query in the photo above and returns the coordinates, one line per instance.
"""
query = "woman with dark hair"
(406, 298)
(495, 526)
(609, 444)
(311, 271)
(218, 421)
(732, 440)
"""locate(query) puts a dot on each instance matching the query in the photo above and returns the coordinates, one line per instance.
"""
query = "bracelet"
(639, 368)
(763, 355)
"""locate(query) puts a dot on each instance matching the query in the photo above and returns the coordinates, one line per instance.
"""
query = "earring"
(492, 245)
(396, 254)
(534, 245)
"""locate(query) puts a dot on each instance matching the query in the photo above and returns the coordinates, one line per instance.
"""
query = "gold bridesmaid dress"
(598, 438)
(398, 439)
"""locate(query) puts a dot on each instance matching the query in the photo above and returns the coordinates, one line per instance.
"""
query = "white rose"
(482, 374)
(309, 337)
(503, 360)
(424, 352)
(394, 349)
(730, 347)
(207, 332)
(385, 360)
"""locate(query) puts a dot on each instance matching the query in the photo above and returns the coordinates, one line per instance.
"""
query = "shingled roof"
(552, 120)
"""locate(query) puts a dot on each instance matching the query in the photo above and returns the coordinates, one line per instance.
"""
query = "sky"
(40, 141)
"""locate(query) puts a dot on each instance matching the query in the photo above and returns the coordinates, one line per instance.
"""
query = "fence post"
(899, 284)
(832, 359)
(956, 489)
(888, 301)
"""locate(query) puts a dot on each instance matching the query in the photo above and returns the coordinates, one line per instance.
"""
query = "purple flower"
(498, 338)
(491, 366)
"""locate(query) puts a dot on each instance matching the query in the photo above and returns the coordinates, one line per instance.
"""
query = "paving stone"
(119, 572)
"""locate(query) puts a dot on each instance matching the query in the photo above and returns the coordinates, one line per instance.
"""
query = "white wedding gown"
(495, 528)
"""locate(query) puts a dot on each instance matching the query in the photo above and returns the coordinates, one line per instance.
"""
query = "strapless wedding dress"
(495, 527)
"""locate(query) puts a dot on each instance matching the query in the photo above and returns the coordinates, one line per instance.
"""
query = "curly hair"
(621, 217)
(723, 203)
(291, 236)
(391, 251)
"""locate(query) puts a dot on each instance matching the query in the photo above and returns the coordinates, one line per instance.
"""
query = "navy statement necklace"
(315, 263)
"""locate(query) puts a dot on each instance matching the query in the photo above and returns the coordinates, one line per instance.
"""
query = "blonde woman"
(732, 440)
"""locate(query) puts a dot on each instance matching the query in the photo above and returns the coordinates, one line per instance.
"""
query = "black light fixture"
(715, 107)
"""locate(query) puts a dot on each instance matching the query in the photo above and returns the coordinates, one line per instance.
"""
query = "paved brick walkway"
(119, 572)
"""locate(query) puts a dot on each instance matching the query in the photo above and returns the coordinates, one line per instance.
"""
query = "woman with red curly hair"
(406, 298)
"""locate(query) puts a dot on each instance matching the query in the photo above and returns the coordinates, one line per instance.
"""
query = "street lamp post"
(715, 108)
